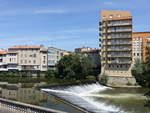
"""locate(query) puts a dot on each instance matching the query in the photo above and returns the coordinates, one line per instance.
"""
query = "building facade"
(83, 49)
(3, 60)
(54, 55)
(93, 53)
(140, 42)
(30, 58)
(116, 43)
(33, 58)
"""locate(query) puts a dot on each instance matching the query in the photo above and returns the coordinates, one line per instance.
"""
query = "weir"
(81, 96)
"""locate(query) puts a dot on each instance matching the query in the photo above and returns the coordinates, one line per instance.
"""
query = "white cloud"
(109, 3)
(49, 11)
(31, 11)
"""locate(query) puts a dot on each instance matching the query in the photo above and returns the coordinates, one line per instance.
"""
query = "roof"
(116, 15)
(3, 52)
(25, 47)
(53, 48)
(140, 34)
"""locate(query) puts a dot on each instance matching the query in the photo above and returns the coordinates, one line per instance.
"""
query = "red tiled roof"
(25, 47)
(3, 52)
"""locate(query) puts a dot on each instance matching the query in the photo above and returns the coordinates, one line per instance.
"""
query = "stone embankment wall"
(18, 107)
(121, 81)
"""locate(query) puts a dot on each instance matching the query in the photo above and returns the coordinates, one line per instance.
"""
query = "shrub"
(103, 79)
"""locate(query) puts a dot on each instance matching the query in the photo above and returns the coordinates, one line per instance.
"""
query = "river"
(91, 97)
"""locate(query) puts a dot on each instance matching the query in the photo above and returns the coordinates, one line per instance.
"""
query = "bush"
(103, 79)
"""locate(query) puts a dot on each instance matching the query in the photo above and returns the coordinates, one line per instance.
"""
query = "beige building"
(26, 95)
(83, 49)
(140, 42)
(28, 57)
(116, 43)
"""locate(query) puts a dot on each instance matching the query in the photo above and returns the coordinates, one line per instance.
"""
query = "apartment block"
(83, 49)
(116, 43)
(140, 42)
(92, 53)
(54, 55)
(33, 58)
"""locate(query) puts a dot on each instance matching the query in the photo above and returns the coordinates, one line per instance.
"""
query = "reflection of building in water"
(10, 93)
(26, 95)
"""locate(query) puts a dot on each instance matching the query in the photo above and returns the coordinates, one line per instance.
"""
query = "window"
(104, 17)
(25, 55)
(34, 61)
(110, 16)
(118, 15)
(34, 55)
(25, 61)
(44, 57)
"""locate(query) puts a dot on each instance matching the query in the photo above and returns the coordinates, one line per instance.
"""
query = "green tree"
(141, 72)
(75, 67)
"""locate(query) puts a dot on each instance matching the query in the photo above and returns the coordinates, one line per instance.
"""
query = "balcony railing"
(120, 61)
(119, 36)
(119, 55)
(119, 30)
(119, 49)
(120, 24)
(119, 42)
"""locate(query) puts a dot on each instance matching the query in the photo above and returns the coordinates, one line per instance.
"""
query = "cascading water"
(82, 96)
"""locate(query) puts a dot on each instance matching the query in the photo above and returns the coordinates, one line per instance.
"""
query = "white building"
(54, 55)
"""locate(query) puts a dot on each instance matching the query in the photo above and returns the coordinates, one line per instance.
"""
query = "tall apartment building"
(54, 55)
(33, 58)
(116, 43)
(140, 42)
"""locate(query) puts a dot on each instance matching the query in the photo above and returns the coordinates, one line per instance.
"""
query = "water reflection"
(33, 96)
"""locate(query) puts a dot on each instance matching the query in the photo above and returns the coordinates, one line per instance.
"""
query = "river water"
(94, 98)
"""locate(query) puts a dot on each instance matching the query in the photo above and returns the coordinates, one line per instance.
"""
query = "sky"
(65, 24)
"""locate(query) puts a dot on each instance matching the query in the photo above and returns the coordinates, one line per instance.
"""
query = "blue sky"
(65, 24)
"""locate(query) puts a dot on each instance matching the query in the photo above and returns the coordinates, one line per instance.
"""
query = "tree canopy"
(141, 71)
(75, 67)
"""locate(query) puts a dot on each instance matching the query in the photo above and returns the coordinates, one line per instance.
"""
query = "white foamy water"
(82, 96)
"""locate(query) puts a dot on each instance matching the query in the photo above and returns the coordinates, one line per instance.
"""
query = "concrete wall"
(121, 81)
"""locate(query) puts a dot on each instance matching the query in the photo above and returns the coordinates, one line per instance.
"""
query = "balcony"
(100, 23)
(119, 55)
(119, 24)
(118, 30)
(119, 49)
(104, 31)
(119, 43)
(119, 62)
(100, 34)
(119, 36)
